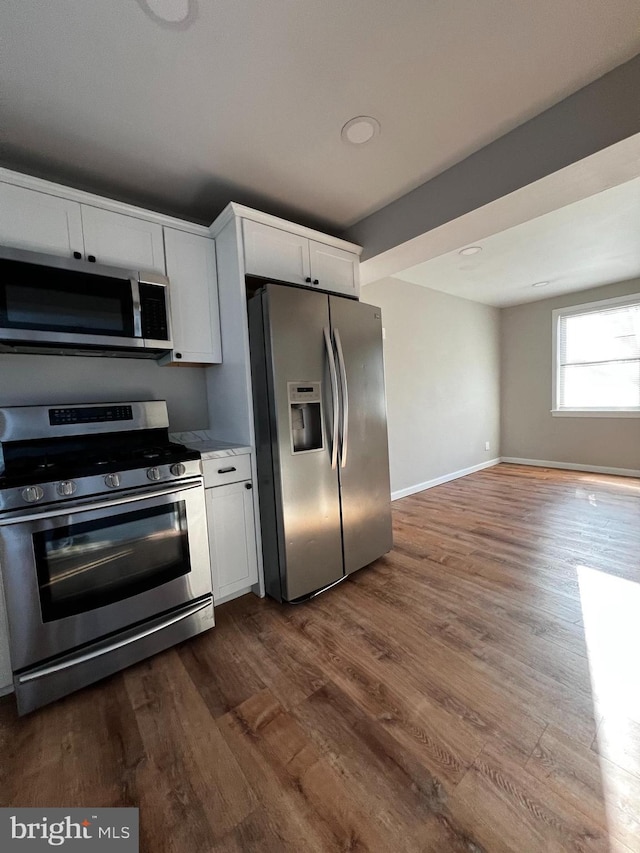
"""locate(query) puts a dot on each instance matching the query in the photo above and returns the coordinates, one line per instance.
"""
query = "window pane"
(615, 385)
(608, 335)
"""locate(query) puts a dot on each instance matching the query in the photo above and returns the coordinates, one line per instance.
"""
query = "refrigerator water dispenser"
(305, 414)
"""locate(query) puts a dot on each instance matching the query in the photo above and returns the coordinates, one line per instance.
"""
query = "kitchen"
(91, 295)
(257, 674)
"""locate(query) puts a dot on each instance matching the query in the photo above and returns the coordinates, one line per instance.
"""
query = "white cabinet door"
(193, 294)
(273, 253)
(123, 241)
(232, 539)
(39, 222)
(334, 269)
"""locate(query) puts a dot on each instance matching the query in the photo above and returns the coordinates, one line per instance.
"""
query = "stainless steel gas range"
(103, 542)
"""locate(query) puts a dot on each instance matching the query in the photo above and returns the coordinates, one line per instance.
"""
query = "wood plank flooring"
(478, 689)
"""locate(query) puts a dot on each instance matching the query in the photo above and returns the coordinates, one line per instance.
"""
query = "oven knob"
(66, 488)
(177, 469)
(153, 473)
(112, 481)
(32, 494)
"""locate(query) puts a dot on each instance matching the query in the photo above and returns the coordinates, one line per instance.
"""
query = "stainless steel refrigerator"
(321, 433)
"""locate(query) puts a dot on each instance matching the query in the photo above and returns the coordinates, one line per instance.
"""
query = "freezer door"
(364, 457)
(306, 490)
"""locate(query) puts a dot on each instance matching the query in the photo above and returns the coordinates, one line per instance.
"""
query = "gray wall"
(442, 362)
(43, 379)
(529, 431)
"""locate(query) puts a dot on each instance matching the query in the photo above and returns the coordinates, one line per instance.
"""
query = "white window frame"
(572, 310)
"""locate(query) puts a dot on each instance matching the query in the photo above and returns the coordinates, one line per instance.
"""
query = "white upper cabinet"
(193, 291)
(274, 253)
(123, 241)
(39, 222)
(334, 269)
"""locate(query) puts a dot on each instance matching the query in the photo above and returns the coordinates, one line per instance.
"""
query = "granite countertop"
(209, 447)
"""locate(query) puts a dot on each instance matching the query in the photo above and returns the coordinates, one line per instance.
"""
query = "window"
(597, 358)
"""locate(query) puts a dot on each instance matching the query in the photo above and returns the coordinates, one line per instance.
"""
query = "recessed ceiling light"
(540, 284)
(359, 130)
(470, 250)
(176, 13)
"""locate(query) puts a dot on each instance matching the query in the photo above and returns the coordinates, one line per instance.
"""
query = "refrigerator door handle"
(345, 399)
(333, 375)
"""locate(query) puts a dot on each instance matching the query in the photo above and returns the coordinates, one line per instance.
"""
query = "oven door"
(77, 573)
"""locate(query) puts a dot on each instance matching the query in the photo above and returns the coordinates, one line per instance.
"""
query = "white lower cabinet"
(232, 539)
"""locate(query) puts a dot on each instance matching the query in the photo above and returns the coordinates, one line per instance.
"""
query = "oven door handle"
(109, 504)
(112, 647)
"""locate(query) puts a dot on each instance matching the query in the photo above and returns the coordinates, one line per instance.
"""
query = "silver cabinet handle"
(112, 647)
(345, 399)
(333, 375)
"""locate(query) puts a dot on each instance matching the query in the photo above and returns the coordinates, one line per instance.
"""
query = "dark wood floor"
(476, 690)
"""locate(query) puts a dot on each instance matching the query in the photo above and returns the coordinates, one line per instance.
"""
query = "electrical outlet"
(487, 445)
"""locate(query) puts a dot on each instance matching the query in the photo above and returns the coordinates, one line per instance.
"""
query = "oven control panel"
(89, 415)
(59, 491)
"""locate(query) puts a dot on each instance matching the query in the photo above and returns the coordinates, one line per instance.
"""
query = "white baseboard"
(572, 466)
(429, 484)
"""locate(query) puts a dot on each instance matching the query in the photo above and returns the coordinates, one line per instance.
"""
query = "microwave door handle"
(137, 308)
(333, 375)
(107, 504)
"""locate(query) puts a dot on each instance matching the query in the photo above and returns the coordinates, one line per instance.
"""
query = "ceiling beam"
(596, 117)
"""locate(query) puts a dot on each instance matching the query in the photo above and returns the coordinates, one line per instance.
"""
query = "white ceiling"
(594, 241)
(247, 103)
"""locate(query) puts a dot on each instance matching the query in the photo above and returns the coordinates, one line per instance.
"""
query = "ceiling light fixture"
(360, 130)
(173, 13)
(470, 250)
(540, 284)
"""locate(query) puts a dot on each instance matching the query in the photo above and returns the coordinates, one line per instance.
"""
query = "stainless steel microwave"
(56, 304)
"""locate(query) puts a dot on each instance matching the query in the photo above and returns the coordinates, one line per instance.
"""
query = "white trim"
(429, 484)
(49, 188)
(231, 595)
(233, 209)
(573, 466)
(594, 307)
(595, 413)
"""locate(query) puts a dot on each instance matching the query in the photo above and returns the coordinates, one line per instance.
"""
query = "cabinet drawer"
(227, 469)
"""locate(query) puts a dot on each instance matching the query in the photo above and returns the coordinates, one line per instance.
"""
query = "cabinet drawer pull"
(229, 470)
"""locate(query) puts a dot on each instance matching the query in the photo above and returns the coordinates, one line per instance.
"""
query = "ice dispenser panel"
(305, 412)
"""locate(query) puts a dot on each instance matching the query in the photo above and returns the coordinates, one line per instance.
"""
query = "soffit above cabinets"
(248, 100)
